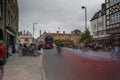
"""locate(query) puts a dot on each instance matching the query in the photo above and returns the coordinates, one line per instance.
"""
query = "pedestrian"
(82, 47)
(20, 49)
(2, 58)
(113, 53)
(24, 50)
(16, 48)
(117, 52)
(40, 48)
(30, 50)
(10, 50)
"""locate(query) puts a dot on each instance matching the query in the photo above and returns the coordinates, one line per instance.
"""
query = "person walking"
(2, 59)
(113, 55)
(10, 50)
(117, 52)
(20, 49)
(40, 48)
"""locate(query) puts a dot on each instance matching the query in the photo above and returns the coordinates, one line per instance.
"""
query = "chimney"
(24, 32)
(63, 32)
(103, 6)
(40, 32)
(57, 31)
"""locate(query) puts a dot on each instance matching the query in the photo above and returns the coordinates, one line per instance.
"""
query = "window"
(115, 18)
(112, 2)
(0, 8)
(110, 19)
(95, 26)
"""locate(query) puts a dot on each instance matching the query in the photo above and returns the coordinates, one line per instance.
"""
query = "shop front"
(10, 39)
(115, 36)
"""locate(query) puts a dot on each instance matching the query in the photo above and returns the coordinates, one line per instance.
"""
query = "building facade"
(24, 39)
(9, 15)
(113, 21)
(63, 36)
(98, 26)
(2, 20)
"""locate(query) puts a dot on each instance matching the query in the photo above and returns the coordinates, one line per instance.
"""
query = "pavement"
(24, 68)
(31, 68)
(100, 55)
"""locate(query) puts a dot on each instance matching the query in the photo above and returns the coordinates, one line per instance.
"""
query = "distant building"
(113, 21)
(25, 38)
(98, 25)
(62, 36)
(28, 33)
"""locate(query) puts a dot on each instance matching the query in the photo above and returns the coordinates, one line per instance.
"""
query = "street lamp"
(33, 30)
(83, 7)
(59, 32)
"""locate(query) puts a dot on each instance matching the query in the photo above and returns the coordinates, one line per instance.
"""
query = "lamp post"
(33, 30)
(83, 7)
(59, 32)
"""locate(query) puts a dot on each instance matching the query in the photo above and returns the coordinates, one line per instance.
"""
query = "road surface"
(70, 66)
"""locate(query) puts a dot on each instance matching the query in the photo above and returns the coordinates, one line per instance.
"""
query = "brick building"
(63, 36)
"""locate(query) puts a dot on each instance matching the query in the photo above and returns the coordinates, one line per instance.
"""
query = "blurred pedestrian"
(40, 48)
(25, 50)
(117, 52)
(16, 48)
(113, 55)
(59, 49)
(20, 49)
(2, 58)
(10, 50)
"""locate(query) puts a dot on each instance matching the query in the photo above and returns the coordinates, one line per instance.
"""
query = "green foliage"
(76, 31)
(57, 41)
(86, 35)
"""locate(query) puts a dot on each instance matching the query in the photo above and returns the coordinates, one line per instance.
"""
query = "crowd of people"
(25, 49)
(21, 49)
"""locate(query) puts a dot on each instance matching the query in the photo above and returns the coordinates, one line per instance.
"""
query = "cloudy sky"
(51, 14)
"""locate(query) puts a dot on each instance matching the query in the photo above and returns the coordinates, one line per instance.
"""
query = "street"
(70, 66)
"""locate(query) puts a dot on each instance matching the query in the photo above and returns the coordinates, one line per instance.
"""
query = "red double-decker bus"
(48, 41)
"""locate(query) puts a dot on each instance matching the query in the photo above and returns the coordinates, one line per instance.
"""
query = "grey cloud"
(56, 12)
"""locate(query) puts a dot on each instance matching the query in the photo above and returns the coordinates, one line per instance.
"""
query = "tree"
(76, 31)
(86, 35)
(57, 41)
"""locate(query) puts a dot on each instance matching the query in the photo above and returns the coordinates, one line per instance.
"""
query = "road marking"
(43, 75)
